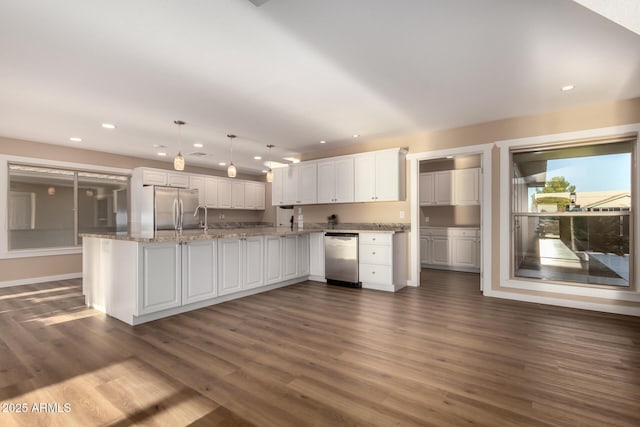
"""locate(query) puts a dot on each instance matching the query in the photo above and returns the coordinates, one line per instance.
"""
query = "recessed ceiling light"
(75, 139)
(222, 164)
(449, 157)
(292, 159)
(567, 88)
(162, 153)
(264, 171)
(323, 142)
(108, 126)
(356, 135)
(198, 145)
(257, 157)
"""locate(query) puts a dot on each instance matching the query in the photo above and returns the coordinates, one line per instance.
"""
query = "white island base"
(139, 282)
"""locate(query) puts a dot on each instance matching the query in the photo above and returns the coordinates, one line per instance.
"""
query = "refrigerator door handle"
(175, 214)
(181, 214)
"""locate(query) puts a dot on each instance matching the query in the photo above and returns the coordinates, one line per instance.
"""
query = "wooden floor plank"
(312, 354)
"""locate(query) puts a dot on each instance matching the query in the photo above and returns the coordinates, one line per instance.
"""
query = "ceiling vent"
(258, 3)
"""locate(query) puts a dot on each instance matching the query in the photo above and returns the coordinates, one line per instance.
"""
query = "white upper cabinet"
(211, 192)
(277, 198)
(224, 194)
(374, 176)
(237, 194)
(443, 194)
(336, 180)
(450, 187)
(295, 184)
(380, 176)
(466, 186)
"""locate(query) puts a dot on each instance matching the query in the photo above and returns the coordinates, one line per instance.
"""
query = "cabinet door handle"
(373, 272)
(373, 253)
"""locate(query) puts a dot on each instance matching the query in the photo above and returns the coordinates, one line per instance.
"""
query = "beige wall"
(17, 269)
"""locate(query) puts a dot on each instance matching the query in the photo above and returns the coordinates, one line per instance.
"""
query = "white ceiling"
(294, 72)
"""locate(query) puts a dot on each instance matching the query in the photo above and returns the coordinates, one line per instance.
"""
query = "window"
(571, 213)
(47, 207)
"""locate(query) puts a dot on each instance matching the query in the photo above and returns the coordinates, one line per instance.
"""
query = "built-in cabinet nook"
(450, 197)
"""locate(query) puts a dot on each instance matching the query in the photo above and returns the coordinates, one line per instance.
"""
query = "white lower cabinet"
(272, 259)
(175, 274)
(383, 260)
(450, 248)
(240, 264)
(199, 271)
(161, 277)
(316, 256)
(289, 257)
(303, 255)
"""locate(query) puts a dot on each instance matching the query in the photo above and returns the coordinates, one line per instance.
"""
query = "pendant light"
(178, 161)
(231, 170)
(270, 172)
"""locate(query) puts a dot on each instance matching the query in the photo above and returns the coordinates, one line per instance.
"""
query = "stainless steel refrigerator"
(168, 208)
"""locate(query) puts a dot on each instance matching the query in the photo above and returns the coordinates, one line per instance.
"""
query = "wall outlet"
(401, 214)
(221, 216)
(426, 219)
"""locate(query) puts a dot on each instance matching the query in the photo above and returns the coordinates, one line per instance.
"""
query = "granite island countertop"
(240, 232)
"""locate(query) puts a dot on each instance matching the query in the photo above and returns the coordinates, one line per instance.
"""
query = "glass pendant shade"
(269, 175)
(178, 162)
(231, 171)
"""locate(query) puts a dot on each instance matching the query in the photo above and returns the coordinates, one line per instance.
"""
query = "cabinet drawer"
(434, 231)
(464, 232)
(375, 274)
(375, 254)
(375, 238)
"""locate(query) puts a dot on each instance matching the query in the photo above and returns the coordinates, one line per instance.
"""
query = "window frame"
(507, 279)
(5, 253)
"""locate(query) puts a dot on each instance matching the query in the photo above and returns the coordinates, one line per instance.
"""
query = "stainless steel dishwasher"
(341, 259)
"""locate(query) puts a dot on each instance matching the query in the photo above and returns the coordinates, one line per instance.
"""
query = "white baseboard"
(584, 305)
(42, 279)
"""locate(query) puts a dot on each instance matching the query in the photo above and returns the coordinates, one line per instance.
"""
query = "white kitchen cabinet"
(160, 277)
(196, 182)
(296, 184)
(199, 271)
(316, 256)
(153, 177)
(229, 266)
(383, 260)
(453, 248)
(303, 255)
(224, 194)
(277, 197)
(424, 250)
(336, 180)
(443, 188)
(466, 186)
(254, 195)
(240, 264)
(237, 194)
(450, 187)
(272, 259)
(211, 192)
(289, 257)
(380, 176)
(180, 180)
(427, 189)
(440, 250)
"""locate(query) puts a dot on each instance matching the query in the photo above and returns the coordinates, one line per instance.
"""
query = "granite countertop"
(233, 233)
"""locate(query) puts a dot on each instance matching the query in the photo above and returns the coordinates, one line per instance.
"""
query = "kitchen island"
(141, 277)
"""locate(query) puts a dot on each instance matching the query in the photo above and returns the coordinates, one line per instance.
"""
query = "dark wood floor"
(312, 354)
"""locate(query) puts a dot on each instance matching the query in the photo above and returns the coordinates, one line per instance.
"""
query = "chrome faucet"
(206, 226)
